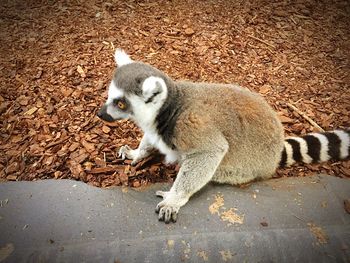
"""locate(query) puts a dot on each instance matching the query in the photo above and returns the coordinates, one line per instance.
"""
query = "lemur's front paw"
(166, 212)
(125, 152)
(168, 209)
(162, 194)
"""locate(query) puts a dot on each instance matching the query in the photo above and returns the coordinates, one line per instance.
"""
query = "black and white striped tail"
(316, 147)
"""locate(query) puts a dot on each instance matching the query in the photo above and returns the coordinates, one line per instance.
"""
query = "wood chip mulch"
(57, 60)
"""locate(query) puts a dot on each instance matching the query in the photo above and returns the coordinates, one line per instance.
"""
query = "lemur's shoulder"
(194, 130)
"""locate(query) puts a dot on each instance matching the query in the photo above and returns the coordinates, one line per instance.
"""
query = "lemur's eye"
(121, 105)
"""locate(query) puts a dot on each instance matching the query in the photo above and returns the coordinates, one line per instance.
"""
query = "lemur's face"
(137, 91)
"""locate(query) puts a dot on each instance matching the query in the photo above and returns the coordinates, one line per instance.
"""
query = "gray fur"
(131, 76)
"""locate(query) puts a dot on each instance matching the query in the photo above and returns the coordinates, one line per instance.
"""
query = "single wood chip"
(81, 71)
(31, 111)
(100, 170)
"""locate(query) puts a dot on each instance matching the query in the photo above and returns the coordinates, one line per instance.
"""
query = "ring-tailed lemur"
(217, 132)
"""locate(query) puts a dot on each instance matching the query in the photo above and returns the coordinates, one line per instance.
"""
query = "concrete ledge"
(282, 220)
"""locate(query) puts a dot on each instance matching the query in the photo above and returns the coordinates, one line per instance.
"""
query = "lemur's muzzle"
(102, 114)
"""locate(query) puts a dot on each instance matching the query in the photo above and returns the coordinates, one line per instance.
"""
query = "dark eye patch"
(121, 104)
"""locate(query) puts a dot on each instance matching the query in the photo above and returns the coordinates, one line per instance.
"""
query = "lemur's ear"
(121, 58)
(152, 87)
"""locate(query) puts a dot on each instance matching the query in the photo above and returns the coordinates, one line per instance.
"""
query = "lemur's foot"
(125, 152)
(169, 208)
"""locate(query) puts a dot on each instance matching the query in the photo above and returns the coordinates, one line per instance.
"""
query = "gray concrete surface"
(68, 221)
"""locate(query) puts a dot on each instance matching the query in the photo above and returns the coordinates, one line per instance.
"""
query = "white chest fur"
(154, 139)
(145, 114)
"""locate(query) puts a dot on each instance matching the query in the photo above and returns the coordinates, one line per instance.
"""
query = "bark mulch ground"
(57, 60)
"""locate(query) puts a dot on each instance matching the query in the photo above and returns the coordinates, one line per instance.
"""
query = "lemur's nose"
(102, 114)
(99, 113)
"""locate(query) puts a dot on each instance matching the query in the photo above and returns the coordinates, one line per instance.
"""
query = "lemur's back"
(250, 126)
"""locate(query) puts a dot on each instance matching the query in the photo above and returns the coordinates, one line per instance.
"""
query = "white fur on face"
(116, 114)
(121, 58)
(146, 113)
(114, 92)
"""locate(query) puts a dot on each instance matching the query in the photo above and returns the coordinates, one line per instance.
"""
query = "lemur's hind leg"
(196, 171)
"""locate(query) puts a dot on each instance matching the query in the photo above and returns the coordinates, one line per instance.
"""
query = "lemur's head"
(137, 91)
